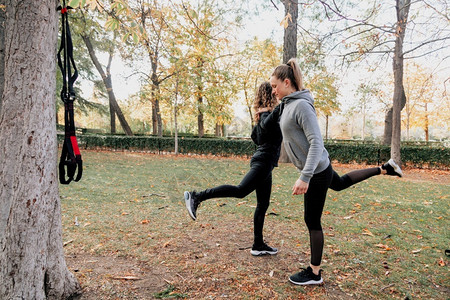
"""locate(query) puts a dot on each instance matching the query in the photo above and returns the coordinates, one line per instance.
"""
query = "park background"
(191, 68)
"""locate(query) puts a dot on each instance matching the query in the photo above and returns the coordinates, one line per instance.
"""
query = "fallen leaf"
(145, 221)
(67, 243)
(416, 251)
(271, 273)
(441, 262)
(367, 232)
(128, 277)
(385, 247)
(348, 217)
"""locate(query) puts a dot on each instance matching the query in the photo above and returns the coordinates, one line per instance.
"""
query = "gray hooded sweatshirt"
(302, 139)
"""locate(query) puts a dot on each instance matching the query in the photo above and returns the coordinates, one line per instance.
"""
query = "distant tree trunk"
(289, 47)
(106, 77)
(326, 126)
(2, 48)
(387, 136)
(427, 124)
(363, 133)
(399, 100)
(219, 130)
(112, 111)
(156, 113)
(200, 121)
(31, 249)
(112, 118)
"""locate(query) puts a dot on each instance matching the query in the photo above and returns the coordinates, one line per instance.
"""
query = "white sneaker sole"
(187, 201)
(259, 253)
(396, 167)
(310, 282)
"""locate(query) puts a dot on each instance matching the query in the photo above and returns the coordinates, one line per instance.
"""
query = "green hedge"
(370, 153)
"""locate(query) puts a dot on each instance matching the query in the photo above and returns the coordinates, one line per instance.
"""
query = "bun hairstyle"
(291, 71)
(264, 98)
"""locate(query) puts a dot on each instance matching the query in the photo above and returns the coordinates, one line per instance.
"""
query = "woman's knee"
(313, 223)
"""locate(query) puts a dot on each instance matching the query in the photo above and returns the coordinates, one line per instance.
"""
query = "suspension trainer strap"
(70, 154)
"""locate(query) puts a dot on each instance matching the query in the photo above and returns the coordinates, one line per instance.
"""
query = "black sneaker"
(392, 168)
(306, 277)
(263, 250)
(191, 204)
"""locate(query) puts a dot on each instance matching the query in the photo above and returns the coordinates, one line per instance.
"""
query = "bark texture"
(289, 47)
(290, 32)
(399, 99)
(31, 251)
(2, 49)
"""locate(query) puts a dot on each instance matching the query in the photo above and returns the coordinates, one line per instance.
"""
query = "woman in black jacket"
(267, 136)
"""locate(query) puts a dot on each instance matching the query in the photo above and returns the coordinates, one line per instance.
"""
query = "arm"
(310, 125)
(266, 119)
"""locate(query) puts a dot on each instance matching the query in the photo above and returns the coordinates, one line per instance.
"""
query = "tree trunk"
(2, 48)
(112, 111)
(290, 32)
(201, 129)
(289, 48)
(387, 136)
(106, 77)
(399, 100)
(112, 118)
(326, 126)
(175, 113)
(200, 122)
(157, 122)
(427, 124)
(31, 250)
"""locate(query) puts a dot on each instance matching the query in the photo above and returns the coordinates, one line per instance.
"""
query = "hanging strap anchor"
(70, 154)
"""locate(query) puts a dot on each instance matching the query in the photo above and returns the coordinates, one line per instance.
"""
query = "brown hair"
(291, 71)
(264, 98)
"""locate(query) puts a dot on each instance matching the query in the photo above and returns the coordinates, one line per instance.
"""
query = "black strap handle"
(70, 154)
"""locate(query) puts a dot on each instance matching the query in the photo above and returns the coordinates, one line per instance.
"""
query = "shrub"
(344, 152)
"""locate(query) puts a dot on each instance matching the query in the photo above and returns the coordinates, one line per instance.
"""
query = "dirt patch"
(108, 277)
(208, 262)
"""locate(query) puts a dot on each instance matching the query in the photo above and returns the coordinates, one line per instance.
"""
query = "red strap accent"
(64, 10)
(76, 150)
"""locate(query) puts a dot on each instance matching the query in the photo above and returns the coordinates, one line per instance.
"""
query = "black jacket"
(267, 136)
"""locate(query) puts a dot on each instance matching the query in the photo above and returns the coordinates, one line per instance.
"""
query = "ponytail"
(291, 71)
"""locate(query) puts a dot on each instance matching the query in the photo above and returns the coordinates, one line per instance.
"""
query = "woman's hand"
(300, 187)
(263, 109)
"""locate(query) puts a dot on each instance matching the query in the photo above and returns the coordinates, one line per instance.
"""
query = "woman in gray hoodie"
(304, 146)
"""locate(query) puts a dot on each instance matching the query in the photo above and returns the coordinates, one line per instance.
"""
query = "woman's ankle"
(315, 269)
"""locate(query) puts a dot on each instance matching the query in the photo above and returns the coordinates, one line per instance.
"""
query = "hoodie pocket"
(295, 160)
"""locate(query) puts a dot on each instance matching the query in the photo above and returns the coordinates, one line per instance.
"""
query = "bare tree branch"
(424, 54)
(274, 4)
(426, 43)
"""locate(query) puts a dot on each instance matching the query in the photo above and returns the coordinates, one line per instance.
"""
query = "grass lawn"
(128, 236)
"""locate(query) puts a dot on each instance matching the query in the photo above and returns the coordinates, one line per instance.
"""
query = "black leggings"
(315, 201)
(259, 178)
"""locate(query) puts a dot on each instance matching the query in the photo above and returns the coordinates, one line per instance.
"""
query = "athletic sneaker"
(258, 250)
(392, 168)
(191, 204)
(306, 277)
